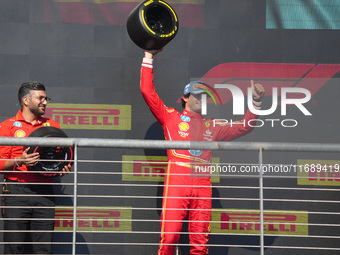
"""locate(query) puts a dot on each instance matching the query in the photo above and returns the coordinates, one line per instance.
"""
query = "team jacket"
(18, 127)
(189, 126)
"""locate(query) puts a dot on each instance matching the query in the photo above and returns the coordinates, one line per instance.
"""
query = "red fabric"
(18, 127)
(184, 187)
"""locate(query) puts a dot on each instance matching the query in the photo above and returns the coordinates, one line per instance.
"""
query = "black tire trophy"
(152, 24)
(63, 155)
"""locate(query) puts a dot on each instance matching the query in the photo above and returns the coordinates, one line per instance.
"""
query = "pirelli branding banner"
(115, 12)
(248, 222)
(90, 116)
(318, 172)
(151, 168)
(94, 218)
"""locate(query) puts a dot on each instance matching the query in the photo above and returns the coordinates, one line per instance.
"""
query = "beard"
(37, 110)
(196, 107)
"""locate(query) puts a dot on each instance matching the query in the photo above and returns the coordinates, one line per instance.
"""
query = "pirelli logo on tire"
(90, 116)
(94, 218)
(248, 222)
(152, 168)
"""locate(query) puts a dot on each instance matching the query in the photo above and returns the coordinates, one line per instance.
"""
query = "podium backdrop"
(81, 51)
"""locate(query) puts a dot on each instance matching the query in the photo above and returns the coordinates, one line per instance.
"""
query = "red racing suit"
(18, 127)
(186, 193)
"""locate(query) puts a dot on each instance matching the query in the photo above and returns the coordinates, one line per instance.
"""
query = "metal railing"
(260, 147)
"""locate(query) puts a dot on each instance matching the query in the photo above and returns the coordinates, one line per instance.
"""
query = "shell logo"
(170, 110)
(20, 133)
(183, 126)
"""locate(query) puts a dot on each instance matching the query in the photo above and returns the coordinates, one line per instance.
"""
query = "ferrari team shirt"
(17, 126)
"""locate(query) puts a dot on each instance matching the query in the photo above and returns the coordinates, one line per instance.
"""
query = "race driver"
(28, 195)
(186, 193)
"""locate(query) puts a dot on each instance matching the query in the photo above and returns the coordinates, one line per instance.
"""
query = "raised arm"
(147, 87)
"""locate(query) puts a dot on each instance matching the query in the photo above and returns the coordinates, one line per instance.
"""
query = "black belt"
(29, 185)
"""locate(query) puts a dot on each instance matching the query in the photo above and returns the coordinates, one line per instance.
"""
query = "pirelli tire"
(58, 156)
(152, 24)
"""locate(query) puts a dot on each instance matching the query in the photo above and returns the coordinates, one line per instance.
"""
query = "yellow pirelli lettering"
(173, 12)
(248, 222)
(90, 116)
(153, 168)
(95, 218)
(148, 2)
(318, 172)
